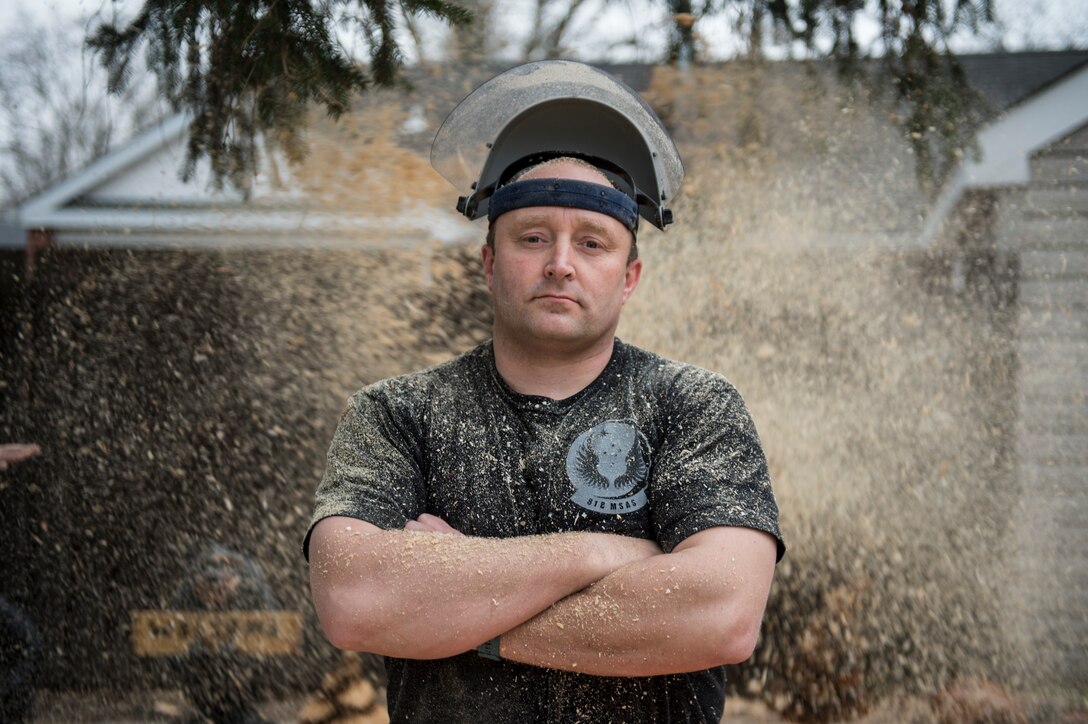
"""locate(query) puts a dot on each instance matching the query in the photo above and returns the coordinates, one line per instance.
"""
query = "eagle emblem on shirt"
(609, 465)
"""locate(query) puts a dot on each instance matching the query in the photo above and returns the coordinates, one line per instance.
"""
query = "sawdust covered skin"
(423, 563)
(415, 552)
(644, 607)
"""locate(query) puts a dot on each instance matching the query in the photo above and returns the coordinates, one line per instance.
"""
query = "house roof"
(355, 189)
(1005, 79)
(1007, 143)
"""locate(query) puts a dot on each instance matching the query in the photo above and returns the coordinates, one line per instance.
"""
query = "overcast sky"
(1024, 24)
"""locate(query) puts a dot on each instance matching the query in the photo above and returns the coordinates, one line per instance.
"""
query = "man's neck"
(553, 374)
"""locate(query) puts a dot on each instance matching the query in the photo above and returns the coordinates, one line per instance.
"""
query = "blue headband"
(564, 192)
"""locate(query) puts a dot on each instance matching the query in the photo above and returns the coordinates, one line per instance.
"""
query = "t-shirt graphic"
(608, 465)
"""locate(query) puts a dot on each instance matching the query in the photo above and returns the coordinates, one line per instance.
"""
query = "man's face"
(558, 276)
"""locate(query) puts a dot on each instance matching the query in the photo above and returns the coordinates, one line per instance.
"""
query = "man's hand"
(16, 453)
(432, 524)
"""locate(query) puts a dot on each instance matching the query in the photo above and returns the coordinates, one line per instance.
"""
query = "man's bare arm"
(697, 607)
(418, 594)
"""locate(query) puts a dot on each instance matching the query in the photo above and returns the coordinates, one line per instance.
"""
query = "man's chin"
(557, 330)
(557, 334)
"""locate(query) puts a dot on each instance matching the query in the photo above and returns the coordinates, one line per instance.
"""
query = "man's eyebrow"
(591, 224)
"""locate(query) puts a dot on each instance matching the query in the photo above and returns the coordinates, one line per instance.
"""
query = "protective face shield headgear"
(555, 108)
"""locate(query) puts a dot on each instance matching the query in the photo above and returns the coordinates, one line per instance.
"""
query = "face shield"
(557, 108)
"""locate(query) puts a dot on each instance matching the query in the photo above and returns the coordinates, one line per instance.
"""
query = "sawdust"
(357, 164)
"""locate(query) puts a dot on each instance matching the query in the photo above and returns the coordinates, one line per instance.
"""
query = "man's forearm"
(427, 595)
(692, 609)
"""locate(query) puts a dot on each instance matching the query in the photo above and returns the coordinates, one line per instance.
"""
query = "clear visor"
(465, 140)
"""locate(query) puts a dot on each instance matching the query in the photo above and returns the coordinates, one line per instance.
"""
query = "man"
(554, 526)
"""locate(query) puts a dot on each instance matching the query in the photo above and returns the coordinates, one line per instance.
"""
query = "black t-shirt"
(651, 448)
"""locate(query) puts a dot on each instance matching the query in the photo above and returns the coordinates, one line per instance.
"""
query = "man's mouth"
(556, 297)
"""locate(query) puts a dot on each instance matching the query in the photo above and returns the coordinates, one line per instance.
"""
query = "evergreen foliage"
(246, 69)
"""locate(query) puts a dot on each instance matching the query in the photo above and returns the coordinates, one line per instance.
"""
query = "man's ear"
(488, 253)
(630, 280)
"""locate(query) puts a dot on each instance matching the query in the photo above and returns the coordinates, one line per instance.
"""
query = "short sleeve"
(710, 469)
(373, 470)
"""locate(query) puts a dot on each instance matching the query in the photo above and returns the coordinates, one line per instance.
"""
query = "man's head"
(560, 273)
(563, 159)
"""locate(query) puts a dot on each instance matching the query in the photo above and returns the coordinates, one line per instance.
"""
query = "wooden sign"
(259, 633)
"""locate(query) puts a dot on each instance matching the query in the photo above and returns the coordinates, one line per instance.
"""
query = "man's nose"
(560, 262)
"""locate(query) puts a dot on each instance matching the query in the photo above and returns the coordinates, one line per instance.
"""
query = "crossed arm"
(590, 602)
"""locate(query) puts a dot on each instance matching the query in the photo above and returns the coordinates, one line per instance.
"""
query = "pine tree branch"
(253, 68)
